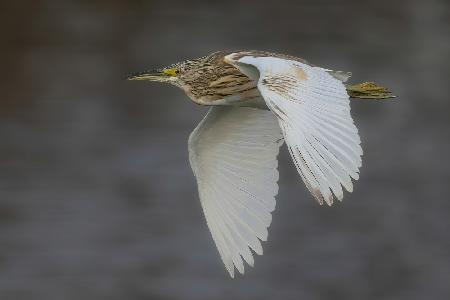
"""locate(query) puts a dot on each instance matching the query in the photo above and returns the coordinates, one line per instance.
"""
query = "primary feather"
(233, 153)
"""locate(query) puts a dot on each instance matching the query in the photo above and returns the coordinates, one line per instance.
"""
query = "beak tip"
(132, 76)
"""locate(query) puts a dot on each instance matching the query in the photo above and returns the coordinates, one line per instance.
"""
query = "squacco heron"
(258, 101)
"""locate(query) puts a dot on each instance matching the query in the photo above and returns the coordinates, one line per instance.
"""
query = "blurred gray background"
(97, 199)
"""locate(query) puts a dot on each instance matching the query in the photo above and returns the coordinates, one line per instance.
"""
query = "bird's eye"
(171, 72)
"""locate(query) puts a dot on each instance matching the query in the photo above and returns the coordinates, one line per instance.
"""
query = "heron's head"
(185, 74)
(170, 74)
(207, 76)
(179, 74)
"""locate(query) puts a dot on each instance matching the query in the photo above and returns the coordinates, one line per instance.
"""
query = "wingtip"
(251, 263)
(230, 271)
(258, 248)
(317, 195)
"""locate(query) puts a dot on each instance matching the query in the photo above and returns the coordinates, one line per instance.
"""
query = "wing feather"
(313, 111)
(233, 153)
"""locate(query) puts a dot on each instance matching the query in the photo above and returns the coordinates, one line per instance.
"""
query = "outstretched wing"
(313, 110)
(233, 153)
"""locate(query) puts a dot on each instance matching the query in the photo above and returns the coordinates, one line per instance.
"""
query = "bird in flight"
(258, 101)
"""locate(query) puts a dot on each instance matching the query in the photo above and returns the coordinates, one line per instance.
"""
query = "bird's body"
(218, 83)
(260, 99)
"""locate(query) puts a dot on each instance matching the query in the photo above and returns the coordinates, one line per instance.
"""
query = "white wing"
(313, 110)
(233, 153)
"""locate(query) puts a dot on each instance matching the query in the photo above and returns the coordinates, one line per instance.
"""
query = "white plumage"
(233, 151)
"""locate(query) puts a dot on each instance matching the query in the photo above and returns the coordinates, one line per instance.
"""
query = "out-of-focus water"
(97, 199)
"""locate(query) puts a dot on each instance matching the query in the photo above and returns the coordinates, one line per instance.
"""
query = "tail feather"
(368, 90)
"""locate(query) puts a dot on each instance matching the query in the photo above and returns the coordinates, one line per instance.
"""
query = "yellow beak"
(148, 75)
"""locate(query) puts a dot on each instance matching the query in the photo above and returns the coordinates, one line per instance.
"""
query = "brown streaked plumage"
(210, 78)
